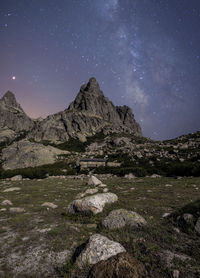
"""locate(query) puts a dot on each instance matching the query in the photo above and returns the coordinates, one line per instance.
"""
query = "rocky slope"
(25, 154)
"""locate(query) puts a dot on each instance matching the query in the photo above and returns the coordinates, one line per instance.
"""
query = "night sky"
(144, 53)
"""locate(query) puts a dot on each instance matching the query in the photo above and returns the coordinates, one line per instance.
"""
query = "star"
(13, 77)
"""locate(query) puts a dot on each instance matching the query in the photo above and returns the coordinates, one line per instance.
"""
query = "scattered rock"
(176, 273)
(6, 203)
(119, 266)
(3, 209)
(186, 221)
(16, 178)
(94, 204)
(155, 176)
(105, 190)
(168, 185)
(91, 226)
(98, 248)
(168, 257)
(94, 181)
(197, 226)
(120, 217)
(102, 185)
(17, 210)
(12, 189)
(166, 214)
(129, 176)
(88, 191)
(50, 205)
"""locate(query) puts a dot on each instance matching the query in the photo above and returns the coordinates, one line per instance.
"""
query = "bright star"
(14, 78)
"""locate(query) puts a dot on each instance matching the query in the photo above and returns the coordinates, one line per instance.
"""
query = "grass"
(54, 230)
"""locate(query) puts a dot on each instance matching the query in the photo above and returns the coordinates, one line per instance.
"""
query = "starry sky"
(144, 54)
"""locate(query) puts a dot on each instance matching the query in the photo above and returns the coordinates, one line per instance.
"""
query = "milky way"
(144, 53)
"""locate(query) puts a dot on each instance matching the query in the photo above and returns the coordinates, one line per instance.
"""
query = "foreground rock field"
(152, 235)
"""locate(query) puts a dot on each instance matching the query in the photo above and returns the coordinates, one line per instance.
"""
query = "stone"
(168, 185)
(102, 185)
(120, 217)
(166, 214)
(17, 210)
(129, 176)
(105, 190)
(94, 181)
(94, 203)
(176, 273)
(98, 248)
(155, 176)
(6, 203)
(12, 189)
(50, 205)
(16, 178)
(186, 221)
(119, 266)
(91, 191)
(197, 226)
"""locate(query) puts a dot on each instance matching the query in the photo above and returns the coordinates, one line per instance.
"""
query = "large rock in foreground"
(98, 248)
(25, 154)
(94, 204)
(119, 266)
(120, 217)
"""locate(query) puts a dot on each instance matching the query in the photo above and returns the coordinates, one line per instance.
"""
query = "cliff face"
(91, 112)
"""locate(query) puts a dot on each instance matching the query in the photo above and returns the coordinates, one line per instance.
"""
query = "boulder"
(16, 178)
(120, 217)
(49, 205)
(98, 248)
(119, 266)
(94, 203)
(6, 203)
(17, 210)
(12, 189)
(94, 181)
(186, 221)
(197, 226)
(129, 176)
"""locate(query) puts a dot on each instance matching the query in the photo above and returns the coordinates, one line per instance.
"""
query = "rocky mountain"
(90, 113)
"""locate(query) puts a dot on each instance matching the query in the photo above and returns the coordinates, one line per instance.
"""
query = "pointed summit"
(91, 87)
(12, 115)
(9, 99)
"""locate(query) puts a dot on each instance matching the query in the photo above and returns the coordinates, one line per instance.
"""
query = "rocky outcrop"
(90, 113)
(98, 248)
(24, 154)
(12, 116)
(94, 203)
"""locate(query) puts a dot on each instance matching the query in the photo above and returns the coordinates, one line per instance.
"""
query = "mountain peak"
(9, 101)
(91, 87)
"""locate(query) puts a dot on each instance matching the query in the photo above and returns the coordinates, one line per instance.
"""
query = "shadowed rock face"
(12, 115)
(91, 112)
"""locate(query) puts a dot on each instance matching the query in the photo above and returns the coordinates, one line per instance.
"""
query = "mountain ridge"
(90, 113)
